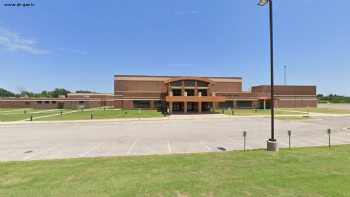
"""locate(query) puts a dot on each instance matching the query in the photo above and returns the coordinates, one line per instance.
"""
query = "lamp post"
(272, 142)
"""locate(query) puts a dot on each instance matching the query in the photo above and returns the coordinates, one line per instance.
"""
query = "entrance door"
(206, 106)
(178, 107)
(192, 107)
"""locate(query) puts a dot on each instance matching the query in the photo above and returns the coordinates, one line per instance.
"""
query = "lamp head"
(263, 2)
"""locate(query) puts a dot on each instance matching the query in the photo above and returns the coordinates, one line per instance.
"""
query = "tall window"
(142, 104)
(190, 92)
(202, 84)
(176, 83)
(190, 83)
(203, 92)
(177, 92)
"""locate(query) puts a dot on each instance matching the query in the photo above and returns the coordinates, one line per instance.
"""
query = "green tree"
(58, 92)
(6, 93)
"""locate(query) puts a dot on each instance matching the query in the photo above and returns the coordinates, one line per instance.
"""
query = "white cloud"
(14, 42)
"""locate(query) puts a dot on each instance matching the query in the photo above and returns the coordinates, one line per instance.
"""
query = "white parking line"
(206, 145)
(91, 149)
(131, 147)
(169, 147)
(38, 153)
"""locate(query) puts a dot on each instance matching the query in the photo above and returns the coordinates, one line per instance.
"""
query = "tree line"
(57, 92)
(333, 98)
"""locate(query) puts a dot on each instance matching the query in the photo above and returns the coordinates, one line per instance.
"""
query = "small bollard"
(91, 116)
(232, 112)
(329, 131)
(244, 136)
(61, 113)
(31, 117)
(223, 111)
(289, 135)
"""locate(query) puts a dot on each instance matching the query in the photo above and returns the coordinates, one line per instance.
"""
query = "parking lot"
(161, 136)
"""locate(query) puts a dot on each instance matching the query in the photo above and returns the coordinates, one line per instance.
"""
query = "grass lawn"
(100, 113)
(106, 114)
(322, 110)
(298, 172)
(250, 112)
(292, 117)
(25, 113)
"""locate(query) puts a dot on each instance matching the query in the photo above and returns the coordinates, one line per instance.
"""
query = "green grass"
(292, 117)
(251, 112)
(311, 172)
(25, 113)
(7, 114)
(283, 111)
(322, 110)
(110, 113)
(106, 114)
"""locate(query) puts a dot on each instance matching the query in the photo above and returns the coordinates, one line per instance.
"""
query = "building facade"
(178, 94)
(188, 94)
(72, 101)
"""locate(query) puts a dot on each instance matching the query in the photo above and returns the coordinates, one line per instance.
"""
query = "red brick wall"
(284, 90)
(125, 86)
(296, 103)
(227, 87)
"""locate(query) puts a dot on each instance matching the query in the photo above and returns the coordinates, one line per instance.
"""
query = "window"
(157, 104)
(177, 92)
(142, 104)
(176, 83)
(53, 102)
(81, 102)
(244, 104)
(47, 102)
(39, 102)
(225, 105)
(190, 92)
(190, 83)
(203, 92)
(202, 84)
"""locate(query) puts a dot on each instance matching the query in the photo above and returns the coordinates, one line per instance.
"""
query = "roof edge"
(177, 76)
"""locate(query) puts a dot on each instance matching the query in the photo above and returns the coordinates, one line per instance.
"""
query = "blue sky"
(82, 44)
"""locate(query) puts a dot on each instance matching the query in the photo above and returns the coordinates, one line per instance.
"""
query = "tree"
(58, 92)
(44, 93)
(6, 93)
(25, 93)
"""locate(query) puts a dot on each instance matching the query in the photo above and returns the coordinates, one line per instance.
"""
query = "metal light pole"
(285, 75)
(272, 142)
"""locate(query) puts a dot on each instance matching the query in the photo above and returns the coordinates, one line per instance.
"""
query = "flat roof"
(285, 86)
(176, 76)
